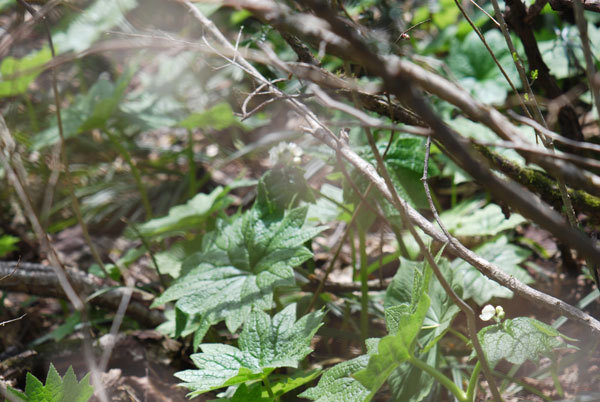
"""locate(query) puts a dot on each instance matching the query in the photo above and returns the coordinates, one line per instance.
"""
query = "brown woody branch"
(41, 280)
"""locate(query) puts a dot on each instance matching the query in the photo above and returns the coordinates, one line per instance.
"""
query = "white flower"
(285, 153)
(488, 312)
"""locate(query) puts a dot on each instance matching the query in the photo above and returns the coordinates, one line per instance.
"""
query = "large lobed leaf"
(265, 344)
(239, 267)
(518, 340)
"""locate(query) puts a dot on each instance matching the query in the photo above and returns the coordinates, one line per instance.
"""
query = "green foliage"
(56, 389)
(518, 340)
(337, 384)
(470, 218)
(250, 269)
(91, 24)
(7, 244)
(218, 117)
(87, 111)
(265, 344)
(240, 265)
(476, 70)
(505, 256)
(404, 323)
(17, 74)
(186, 217)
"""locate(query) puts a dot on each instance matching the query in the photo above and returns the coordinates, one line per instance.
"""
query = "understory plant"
(310, 273)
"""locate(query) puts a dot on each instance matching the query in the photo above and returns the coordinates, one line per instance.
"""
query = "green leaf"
(476, 70)
(170, 261)
(17, 74)
(56, 389)
(91, 24)
(504, 255)
(218, 117)
(292, 381)
(264, 344)
(240, 265)
(479, 132)
(470, 218)
(518, 340)
(186, 217)
(411, 384)
(338, 385)
(7, 244)
(87, 111)
(397, 348)
(442, 310)
(249, 394)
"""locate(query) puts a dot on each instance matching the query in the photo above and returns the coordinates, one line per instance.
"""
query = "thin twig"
(3, 323)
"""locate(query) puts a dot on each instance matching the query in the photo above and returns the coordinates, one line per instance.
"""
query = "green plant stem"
(134, 170)
(459, 335)
(554, 373)
(364, 287)
(268, 386)
(441, 378)
(473, 381)
(193, 182)
(152, 257)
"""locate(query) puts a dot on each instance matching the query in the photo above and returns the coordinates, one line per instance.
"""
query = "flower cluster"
(489, 312)
(285, 153)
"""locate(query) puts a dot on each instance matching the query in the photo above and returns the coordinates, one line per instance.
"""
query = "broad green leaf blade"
(16, 394)
(504, 255)
(282, 341)
(476, 70)
(265, 344)
(518, 340)
(470, 219)
(34, 389)
(54, 385)
(249, 394)
(290, 382)
(241, 263)
(219, 364)
(441, 311)
(188, 216)
(338, 385)
(395, 349)
(17, 74)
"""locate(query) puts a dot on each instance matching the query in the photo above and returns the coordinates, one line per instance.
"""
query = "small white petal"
(487, 313)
